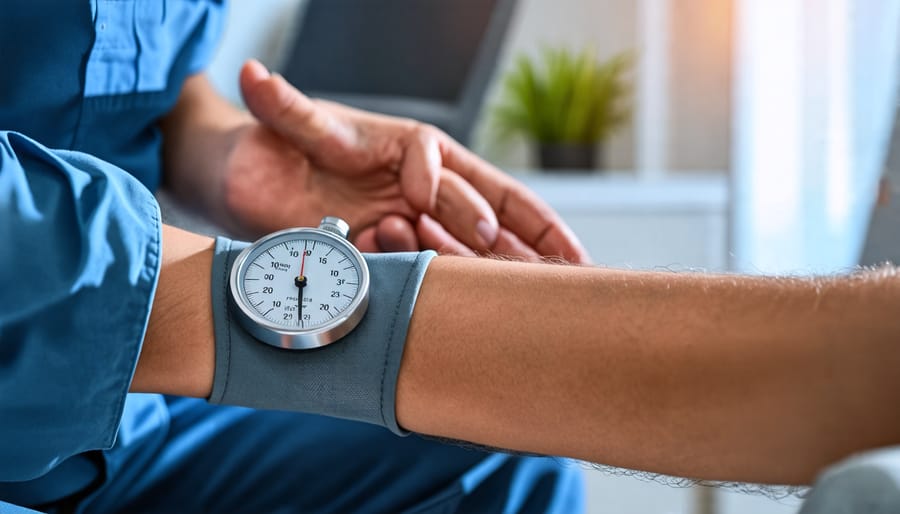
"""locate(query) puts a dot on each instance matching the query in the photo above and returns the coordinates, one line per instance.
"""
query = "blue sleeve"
(80, 255)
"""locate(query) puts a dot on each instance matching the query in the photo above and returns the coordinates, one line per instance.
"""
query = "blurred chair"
(430, 60)
(883, 241)
(866, 483)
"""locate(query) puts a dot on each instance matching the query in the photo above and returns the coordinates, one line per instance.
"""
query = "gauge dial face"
(301, 281)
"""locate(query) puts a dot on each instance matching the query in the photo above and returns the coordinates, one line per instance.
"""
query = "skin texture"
(715, 377)
(707, 376)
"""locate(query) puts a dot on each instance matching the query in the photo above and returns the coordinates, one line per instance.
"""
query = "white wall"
(701, 53)
(261, 29)
(815, 96)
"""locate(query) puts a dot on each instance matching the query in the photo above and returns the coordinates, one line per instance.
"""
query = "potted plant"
(566, 105)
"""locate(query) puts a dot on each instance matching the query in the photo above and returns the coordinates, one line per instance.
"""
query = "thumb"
(281, 107)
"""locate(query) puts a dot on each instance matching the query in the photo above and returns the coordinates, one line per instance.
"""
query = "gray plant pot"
(567, 156)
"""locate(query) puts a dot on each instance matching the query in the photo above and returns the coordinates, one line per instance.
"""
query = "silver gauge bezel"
(283, 336)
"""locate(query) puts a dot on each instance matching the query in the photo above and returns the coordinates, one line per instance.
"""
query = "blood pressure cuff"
(353, 378)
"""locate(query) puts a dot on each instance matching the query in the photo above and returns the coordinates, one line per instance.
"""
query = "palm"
(272, 185)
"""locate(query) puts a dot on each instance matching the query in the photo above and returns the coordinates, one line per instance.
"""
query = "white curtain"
(815, 96)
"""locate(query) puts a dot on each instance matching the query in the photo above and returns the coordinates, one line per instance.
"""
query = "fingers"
(392, 234)
(396, 234)
(464, 212)
(287, 111)
(365, 241)
(509, 245)
(432, 235)
(538, 225)
(420, 171)
(519, 210)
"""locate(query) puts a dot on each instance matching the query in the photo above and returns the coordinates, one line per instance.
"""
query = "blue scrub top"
(96, 76)
(82, 87)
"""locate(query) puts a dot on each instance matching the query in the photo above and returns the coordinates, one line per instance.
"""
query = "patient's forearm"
(718, 377)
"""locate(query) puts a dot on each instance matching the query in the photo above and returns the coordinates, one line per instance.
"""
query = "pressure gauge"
(301, 288)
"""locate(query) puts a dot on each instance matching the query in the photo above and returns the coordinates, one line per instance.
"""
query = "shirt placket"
(112, 66)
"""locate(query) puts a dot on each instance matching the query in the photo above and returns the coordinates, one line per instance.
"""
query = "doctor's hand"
(400, 184)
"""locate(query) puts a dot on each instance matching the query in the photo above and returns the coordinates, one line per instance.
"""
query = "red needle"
(300, 282)
(303, 259)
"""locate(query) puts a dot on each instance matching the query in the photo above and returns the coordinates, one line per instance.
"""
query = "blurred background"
(734, 135)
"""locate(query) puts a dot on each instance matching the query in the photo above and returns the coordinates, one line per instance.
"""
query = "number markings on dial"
(329, 289)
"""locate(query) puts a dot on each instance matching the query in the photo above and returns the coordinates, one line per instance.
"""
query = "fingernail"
(487, 232)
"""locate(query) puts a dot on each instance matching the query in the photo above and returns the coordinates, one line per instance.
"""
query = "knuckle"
(425, 131)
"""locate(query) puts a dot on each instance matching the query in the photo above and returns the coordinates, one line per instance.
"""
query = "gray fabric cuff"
(354, 378)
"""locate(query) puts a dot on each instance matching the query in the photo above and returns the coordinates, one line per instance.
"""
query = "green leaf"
(564, 97)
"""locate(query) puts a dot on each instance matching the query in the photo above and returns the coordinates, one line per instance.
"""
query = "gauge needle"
(300, 282)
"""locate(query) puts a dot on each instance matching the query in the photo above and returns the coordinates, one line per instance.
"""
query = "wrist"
(177, 356)
(198, 136)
